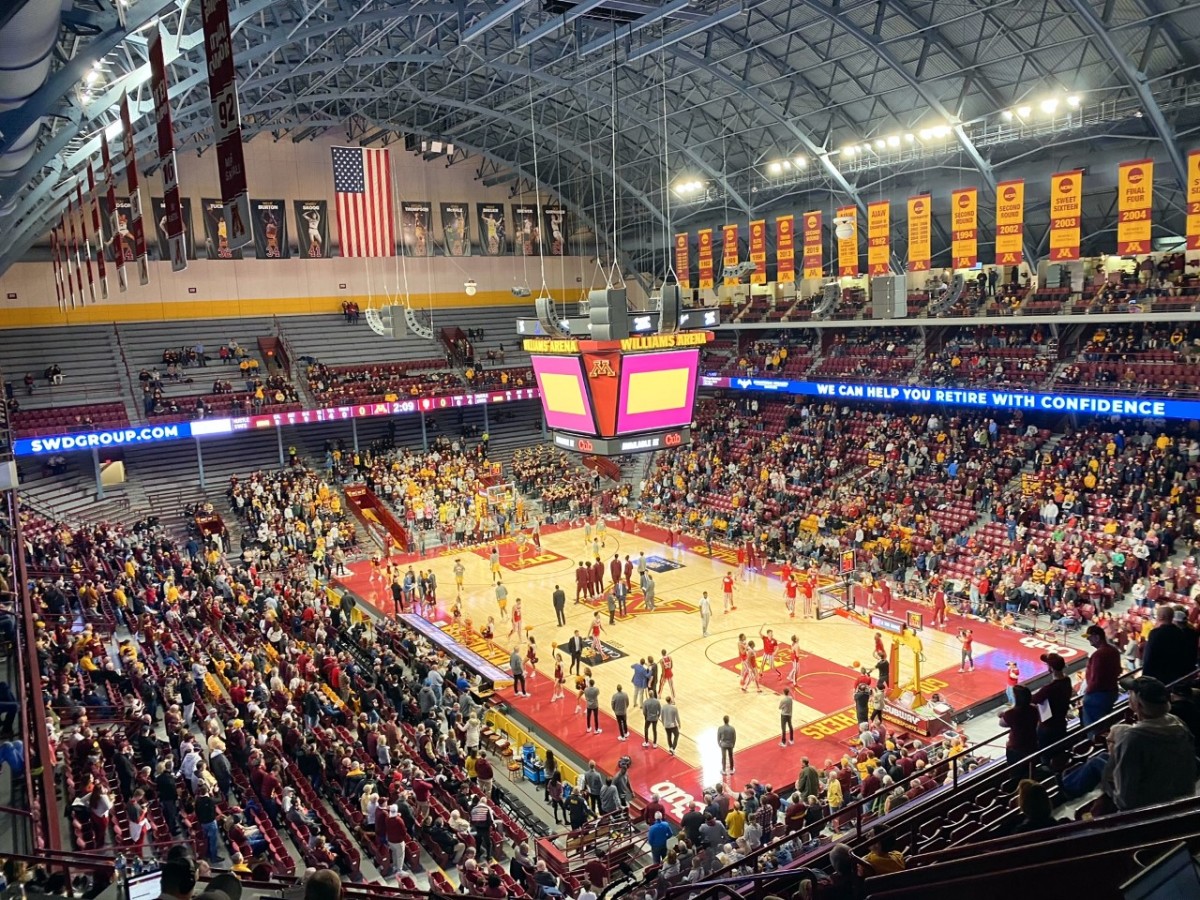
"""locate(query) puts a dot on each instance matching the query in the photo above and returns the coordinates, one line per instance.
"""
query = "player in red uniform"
(789, 592)
(785, 571)
(939, 607)
(750, 669)
(794, 675)
(666, 668)
(727, 586)
(878, 643)
(770, 645)
(741, 559)
(516, 620)
(810, 582)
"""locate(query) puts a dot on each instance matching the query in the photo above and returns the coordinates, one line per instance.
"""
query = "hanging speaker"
(547, 317)
(672, 300)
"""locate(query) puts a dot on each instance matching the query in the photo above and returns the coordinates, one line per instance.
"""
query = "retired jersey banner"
(170, 223)
(920, 233)
(527, 239)
(758, 251)
(493, 231)
(964, 228)
(158, 208)
(785, 249)
(682, 263)
(814, 243)
(227, 122)
(456, 233)
(1135, 193)
(312, 228)
(706, 258)
(136, 227)
(555, 230)
(1010, 223)
(270, 229)
(1066, 208)
(416, 227)
(879, 238)
(729, 251)
(216, 230)
(847, 223)
(111, 223)
(1193, 201)
(97, 230)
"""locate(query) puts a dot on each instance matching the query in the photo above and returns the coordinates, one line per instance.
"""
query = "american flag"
(362, 186)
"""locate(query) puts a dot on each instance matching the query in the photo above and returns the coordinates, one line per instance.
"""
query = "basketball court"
(707, 671)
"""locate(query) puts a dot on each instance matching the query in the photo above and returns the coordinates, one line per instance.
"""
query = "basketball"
(856, 664)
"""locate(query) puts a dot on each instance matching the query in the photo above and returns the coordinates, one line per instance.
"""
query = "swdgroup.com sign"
(119, 437)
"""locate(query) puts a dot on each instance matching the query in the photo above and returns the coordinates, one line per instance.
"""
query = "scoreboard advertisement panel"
(658, 390)
(566, 401)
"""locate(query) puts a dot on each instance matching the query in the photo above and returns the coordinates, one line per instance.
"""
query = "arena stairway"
(92, 370)
(143, 344)
(333, 341)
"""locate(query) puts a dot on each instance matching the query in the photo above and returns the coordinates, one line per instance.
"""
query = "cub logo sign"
(601, 368)
(584, 445)
(1047, 647)
(674, 439)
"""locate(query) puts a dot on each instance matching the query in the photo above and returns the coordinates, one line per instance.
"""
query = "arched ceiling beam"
(816, 151)
(885, 53)
(1136, 80)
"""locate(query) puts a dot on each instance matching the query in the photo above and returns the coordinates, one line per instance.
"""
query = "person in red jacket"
(397, 838)
(582, 577)
(597, 577)
(727, 587)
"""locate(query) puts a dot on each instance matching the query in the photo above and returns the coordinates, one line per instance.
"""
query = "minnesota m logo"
(602, 368)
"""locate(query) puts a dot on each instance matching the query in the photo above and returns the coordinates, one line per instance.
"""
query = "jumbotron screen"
(658, 390)
(565, 399)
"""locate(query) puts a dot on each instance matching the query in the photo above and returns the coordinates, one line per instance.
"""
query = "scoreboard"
(615, 397)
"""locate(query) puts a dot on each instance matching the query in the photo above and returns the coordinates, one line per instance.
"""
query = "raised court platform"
(706, 668)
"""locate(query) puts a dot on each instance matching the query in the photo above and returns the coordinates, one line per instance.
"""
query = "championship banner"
(1193, 201)
(729, 252)
(526, 232)
(706, 259)
(879, 238)
(216, 233)
(111, 223)
(785, 249)
(77, 240)
(1010, 223)
(270, 229)
(1135, 193)
(117, 236)
(813, 244)
(135, 198)
(73, 266)
(158, 210)
(170, 217)
(758, 251)
(64, 250)
(312, 228)
(556, 228)
(416, 234)
(1066, 209)
(87, 244)
(455, 234)
(493, 233)
(227, 122)
(682, 263)
(58, 286)
(847, 223)
(920, 233)
(98, 230)
(964, 228)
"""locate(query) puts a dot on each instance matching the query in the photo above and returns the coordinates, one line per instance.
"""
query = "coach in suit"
(575, 647)
(560, 605)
